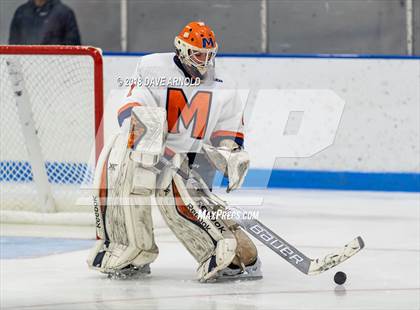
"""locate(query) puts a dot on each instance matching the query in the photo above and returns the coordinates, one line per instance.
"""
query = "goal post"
(51, 133)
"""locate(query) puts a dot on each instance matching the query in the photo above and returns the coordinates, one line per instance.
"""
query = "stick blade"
(331, 260)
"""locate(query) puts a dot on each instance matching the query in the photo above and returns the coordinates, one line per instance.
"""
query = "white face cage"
(199, 58)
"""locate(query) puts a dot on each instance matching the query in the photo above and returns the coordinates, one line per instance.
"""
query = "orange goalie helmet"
(196, 48)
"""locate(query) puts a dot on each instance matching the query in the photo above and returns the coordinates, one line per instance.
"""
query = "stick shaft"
(277, 244)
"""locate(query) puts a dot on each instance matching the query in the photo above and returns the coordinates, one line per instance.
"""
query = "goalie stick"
(270, 239)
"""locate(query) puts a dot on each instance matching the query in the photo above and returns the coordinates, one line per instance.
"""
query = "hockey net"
(51, 106)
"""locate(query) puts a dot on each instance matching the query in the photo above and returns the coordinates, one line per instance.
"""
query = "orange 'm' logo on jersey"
(178, 108)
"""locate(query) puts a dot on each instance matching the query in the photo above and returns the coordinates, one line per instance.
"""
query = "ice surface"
(385, 275)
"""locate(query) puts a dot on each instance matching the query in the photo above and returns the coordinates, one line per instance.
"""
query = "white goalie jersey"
(208, 112)
(165, 111)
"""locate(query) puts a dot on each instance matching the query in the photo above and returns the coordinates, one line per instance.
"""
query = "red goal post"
(93, 52)
(51, 134)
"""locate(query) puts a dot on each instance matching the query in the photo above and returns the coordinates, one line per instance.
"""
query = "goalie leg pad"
(126, 216)
(210, 242)
(184, 222)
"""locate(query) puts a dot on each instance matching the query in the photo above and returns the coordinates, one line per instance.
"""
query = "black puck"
(340, 277)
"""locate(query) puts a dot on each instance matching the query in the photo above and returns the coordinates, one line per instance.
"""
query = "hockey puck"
(340, 277)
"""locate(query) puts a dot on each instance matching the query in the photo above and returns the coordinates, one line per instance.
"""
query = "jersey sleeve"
(230, 125)
(138, 95)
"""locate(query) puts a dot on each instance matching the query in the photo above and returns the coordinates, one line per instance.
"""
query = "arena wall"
(374, 144)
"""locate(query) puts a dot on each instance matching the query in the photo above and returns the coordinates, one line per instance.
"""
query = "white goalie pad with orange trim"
(212, 242)
(125, 234)
(126, 181)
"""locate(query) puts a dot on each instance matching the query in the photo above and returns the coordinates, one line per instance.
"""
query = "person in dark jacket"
(44, 22)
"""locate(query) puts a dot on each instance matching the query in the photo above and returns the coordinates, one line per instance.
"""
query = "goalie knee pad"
(144, 181)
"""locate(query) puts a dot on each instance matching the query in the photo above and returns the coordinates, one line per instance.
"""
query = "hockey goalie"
(191, 119)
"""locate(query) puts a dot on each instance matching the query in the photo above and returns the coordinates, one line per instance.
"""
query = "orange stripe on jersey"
(128, 105)
(220, 135)
(224, 133)
(125, 111)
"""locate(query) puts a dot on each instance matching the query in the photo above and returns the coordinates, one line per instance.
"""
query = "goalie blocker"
(127, 181)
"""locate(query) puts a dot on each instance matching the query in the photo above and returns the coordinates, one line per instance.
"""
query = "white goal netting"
(50, 111)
